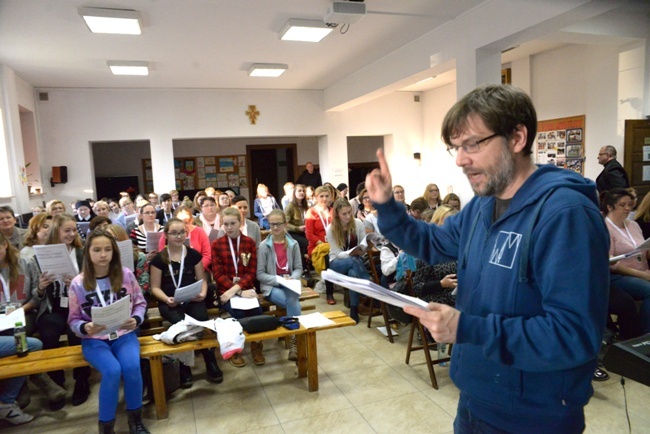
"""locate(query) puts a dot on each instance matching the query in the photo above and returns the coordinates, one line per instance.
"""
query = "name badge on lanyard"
(235, 258)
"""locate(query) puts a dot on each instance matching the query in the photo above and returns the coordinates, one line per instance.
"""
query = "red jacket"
(223, 267)
(314, 229)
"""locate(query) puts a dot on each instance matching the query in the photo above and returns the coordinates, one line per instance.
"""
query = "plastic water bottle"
(442, 352)
(20, 337)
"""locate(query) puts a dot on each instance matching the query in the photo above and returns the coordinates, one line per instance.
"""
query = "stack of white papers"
(315, 319)
(153, 238)
(126, 253)
(9, 321)
(293, 284)
(641, 247)
(187, 293)
(373, 290)
(55, 259)
(243, 303)
(113, 315)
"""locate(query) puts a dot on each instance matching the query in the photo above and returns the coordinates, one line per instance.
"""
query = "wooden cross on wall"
(252, 114)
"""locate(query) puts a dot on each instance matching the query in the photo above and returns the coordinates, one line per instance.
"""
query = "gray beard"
(499, 176)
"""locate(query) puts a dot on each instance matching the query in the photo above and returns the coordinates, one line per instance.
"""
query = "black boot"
(135, 422)
(81, 391)
(185, 374)
(354, 313)
(107, 427)
(211, 368)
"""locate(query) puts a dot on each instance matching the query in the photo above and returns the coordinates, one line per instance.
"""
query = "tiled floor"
(365, 387)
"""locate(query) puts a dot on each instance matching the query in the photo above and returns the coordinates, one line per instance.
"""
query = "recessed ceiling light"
(267, 69)
(129, 67)
(117, 21)
(304, 30)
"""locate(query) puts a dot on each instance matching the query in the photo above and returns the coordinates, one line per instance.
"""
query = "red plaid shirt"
(223, 267)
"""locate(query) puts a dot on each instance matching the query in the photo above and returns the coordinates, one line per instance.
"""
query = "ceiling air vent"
(43, 96)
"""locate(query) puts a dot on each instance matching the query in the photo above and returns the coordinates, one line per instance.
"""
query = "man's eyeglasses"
(276, 225)
(469, 148)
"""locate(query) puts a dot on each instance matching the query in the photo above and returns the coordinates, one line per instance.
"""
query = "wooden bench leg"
(301, 342)
(312, 362)
(158, 382)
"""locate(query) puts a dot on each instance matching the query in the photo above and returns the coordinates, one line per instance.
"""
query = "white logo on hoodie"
(505, 249)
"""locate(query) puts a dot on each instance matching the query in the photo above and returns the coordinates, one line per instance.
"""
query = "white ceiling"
(211, 43)
(206, 43)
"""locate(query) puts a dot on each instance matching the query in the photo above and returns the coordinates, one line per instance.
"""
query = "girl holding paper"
(148, 224)
(174, 267)
(234, 264)
(52, 317)
(103, 282)
(344, 234)
(279, 257)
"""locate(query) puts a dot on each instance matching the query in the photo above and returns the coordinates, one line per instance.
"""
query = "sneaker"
(237, 361)
(81, 392)
(185, 375)
(320, 287)
(13, 414)
(256, 350)
(293, 349)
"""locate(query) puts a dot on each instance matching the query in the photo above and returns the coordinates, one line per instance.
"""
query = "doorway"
(272, 165)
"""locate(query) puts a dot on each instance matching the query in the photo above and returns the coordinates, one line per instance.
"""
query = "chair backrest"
(409, 283)
(374, 261)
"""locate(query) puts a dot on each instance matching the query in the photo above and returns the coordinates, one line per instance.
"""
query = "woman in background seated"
(295, 216)
(400, 196)
(279, 256)
(37, 232)
(148, 223)
(642, 216)
(210, 216)
(197, 238)
(452, 200)
(264, 204)
(344, 234)
(630, 275)
(432, 196)
(177, 266)
(234, 265)
(55, 207)
(140, 263)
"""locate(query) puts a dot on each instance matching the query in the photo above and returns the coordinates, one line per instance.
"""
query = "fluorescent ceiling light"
(118, 21)
(129, 67)
(304, 30)
(267, 69)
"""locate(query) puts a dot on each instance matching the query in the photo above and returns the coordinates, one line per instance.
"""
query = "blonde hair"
(35, 225)
(53, 202)
(339, 231)
(11, 257)
(441, 213)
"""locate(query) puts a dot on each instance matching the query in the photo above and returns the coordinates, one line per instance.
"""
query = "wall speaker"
(59, 174)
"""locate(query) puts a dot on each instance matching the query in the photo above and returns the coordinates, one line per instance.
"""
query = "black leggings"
(623, 306)
(51, 326)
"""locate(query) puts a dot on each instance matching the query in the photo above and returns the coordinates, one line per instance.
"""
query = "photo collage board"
(197, 173)
(561, 142)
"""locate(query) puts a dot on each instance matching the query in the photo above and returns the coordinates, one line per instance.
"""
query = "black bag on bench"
(259, 323)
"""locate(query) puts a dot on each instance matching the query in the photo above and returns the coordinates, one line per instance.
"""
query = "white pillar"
(474, 68)
(333, 159)
(162, 164)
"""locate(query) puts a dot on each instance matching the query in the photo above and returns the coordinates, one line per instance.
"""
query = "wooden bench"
(71, 357)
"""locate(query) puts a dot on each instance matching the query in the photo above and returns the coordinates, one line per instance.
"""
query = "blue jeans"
(115, 359)
(353, 267)
(10, 387)
(639, 290)
(286, 298)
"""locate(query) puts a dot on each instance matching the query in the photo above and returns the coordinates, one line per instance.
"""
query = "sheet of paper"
(153, 238)
(9, 321)
(641, 247)
(186, 293)
(315, 319)
(55, 259)
(373, 290)
(293, 284)
(113, 315)
(126, 253)
(214, 234)
(243, 303)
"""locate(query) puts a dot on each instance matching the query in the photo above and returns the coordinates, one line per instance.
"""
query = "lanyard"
(171, 270)
(286, 265)
(324, 222)
(101, 296)
(5, 288)
(235, 258)
(629, 235)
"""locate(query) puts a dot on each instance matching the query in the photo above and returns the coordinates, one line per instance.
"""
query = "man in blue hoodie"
(533, 274)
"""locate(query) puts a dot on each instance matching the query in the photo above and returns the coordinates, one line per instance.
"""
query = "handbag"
(290, 322)
(259, 323)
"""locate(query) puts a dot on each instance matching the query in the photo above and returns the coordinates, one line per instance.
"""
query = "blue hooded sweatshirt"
(533, 291)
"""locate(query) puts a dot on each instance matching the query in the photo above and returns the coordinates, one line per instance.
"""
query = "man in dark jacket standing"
(533, 275)
(613, 174)
(309, 177)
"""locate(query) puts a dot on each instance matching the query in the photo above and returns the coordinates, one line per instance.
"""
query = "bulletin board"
(561, 142)
(192, 173)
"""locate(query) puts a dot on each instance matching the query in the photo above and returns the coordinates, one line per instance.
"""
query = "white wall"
(580, 80)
